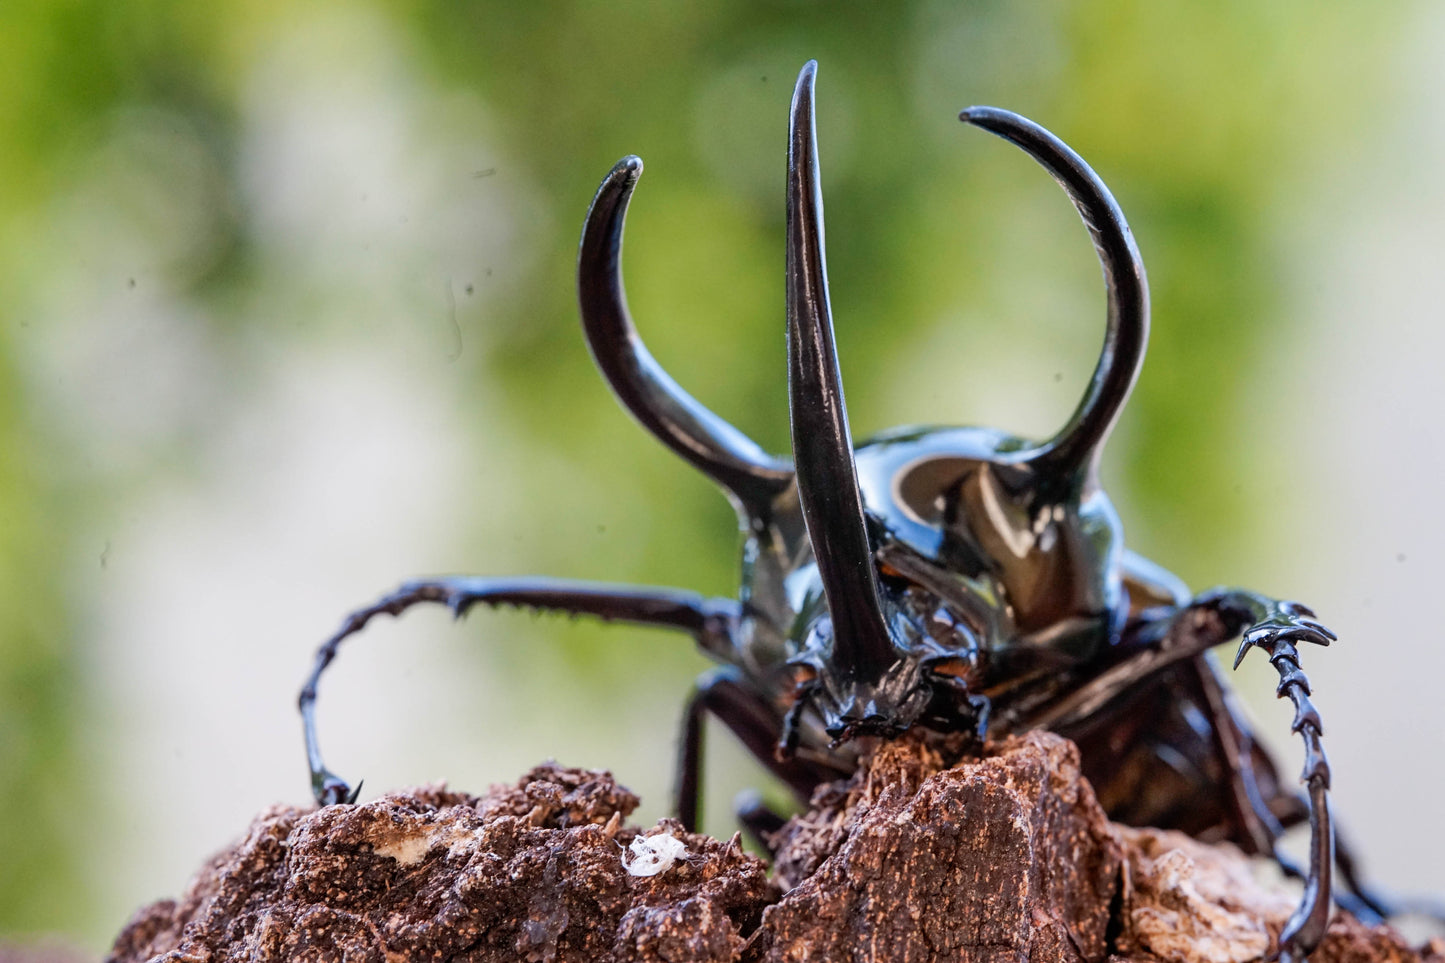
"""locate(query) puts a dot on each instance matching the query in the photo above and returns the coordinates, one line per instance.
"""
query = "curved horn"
(1076, 448)
(751, 476)
(822, 446)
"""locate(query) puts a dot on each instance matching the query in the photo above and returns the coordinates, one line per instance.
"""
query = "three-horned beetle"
(960, 579)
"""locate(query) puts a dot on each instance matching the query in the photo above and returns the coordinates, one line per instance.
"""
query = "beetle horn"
(822, 446)
(750, 476)
(1075, 449)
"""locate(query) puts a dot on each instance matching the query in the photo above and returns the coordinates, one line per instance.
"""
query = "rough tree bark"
(1008, 857)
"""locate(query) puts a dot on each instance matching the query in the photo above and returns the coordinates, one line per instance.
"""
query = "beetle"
(960, 579)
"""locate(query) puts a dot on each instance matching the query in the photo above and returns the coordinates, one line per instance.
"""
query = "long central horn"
(751, 476)
(822, 446)
(1076, 448)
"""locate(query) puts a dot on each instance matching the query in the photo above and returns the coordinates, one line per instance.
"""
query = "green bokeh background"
(137, 149)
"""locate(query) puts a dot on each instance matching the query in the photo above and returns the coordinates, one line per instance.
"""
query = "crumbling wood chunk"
(1187, 901)
(1008, 857)
(531, 872)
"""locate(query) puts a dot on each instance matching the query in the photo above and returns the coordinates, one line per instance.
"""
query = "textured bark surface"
(1008, 857)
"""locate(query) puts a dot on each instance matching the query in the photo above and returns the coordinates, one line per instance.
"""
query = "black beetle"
(961, 579)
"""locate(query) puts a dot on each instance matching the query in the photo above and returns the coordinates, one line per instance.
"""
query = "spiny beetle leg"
(711, 621)
(980, 706)
(1261, 827)
(1258, 825)
(1212, 618)
(1276, 627)
(727, 694)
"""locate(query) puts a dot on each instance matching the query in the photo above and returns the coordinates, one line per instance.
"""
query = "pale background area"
(306, 473)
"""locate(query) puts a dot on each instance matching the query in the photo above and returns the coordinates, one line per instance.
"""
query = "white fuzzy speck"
(652, 855)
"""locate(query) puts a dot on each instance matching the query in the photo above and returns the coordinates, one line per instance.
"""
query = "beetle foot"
(790, 731)
(1283, 621)
(330, 789)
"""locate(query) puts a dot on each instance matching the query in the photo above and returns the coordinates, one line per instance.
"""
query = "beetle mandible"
(961, 579)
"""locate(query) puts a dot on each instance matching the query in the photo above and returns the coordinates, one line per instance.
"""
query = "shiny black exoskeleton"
(960, 579)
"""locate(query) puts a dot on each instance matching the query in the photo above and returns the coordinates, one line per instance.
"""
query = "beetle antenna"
(822, 446)
(1075, 449)
(751, 477)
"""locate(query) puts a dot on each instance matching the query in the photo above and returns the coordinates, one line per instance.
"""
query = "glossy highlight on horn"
(751, 476)
(822, 444)
(1076, 448)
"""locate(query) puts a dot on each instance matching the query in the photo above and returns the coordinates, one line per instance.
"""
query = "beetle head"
(871, 670)
(886, 706)
(880, 703)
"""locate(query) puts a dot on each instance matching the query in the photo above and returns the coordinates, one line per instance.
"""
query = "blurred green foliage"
(1195, 113)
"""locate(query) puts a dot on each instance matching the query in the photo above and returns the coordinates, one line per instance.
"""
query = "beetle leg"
(759, 820)
(1365, 902)
(1276, 627)
(979, 705)
(791, 732)
(1211, 619)
(727, 694)
(1262, 824)
(711, 621)
(1257, 822)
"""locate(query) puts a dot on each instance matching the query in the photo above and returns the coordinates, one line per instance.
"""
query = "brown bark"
(1008, 857)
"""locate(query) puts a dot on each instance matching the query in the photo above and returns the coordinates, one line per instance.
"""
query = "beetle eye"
(803, 677)
(957, 668)
(888, 571)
